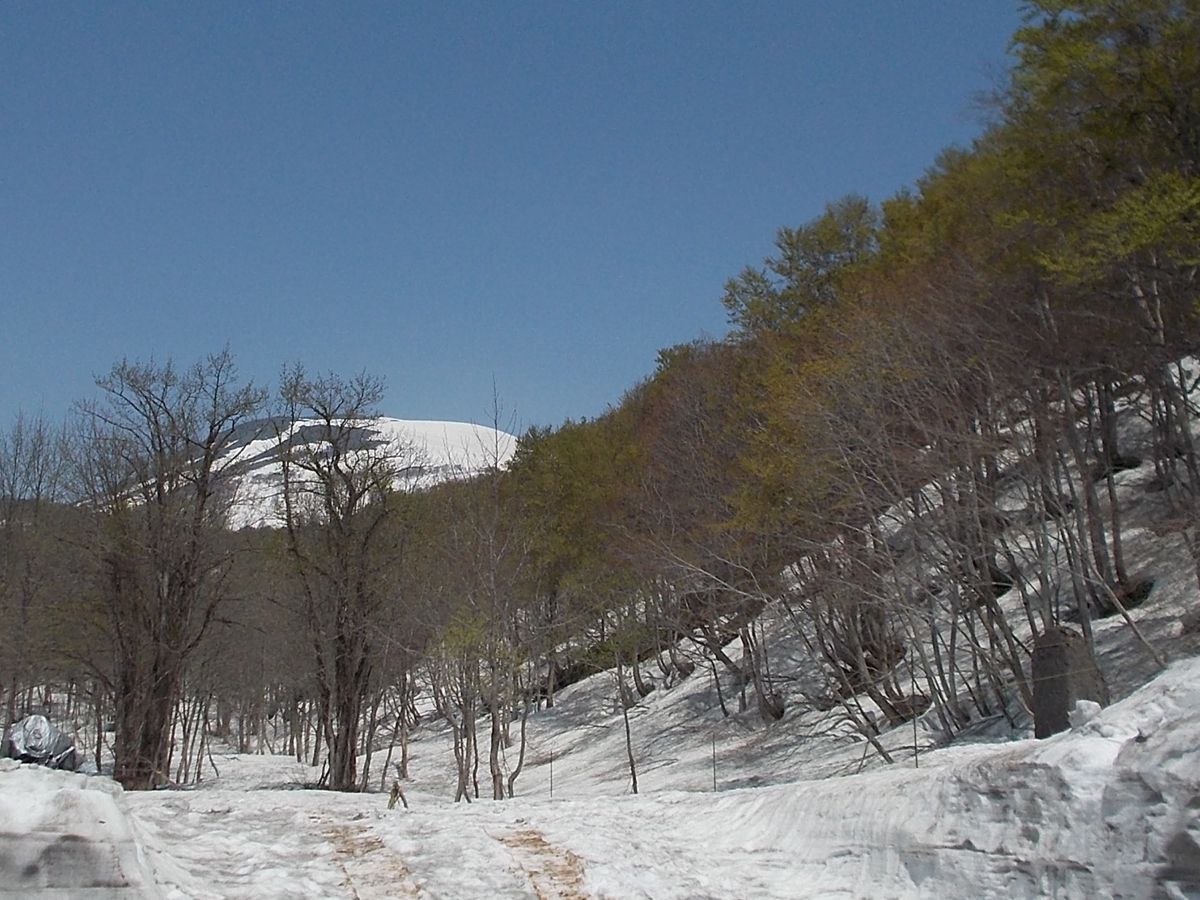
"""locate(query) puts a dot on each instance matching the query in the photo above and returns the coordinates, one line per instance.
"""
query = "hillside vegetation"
(940, 427)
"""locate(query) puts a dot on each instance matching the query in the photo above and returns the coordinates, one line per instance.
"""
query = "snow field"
(1110, 808)
(436, 451)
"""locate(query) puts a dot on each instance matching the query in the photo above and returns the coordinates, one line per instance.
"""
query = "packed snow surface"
(66, 835)
(1110, 808)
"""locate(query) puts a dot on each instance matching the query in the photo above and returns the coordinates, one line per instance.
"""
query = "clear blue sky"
(543, 193)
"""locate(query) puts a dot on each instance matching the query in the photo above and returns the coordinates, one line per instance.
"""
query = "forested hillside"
(908, 447)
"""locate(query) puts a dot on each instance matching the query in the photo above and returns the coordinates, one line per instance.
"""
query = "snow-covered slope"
(424, 452)
(729, 806)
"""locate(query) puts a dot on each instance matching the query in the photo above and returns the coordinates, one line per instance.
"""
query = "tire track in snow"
(269, 845)
(364, 859)
(554, 873)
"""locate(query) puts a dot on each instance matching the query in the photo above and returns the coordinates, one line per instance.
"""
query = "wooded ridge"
(910, 444)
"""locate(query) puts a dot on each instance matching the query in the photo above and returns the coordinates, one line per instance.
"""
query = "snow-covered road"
(1111, 808)
(284, 844)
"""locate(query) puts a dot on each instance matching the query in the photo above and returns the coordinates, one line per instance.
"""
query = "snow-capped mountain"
(424, 453)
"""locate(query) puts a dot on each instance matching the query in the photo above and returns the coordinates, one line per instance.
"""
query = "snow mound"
(66, 835)
(1111, 808)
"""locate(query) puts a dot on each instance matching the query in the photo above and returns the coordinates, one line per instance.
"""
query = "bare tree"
(153, 467)
(30, 483)
(342, 511)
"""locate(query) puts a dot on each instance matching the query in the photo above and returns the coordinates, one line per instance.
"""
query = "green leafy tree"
(809, 271)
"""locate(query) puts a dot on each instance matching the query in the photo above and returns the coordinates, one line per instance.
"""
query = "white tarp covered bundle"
(35, 740)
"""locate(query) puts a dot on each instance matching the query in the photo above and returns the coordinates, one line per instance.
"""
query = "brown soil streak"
(555, 874)
(380, 877)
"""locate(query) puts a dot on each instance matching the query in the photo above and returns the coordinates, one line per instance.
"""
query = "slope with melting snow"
(425, 452)
(1111, 808)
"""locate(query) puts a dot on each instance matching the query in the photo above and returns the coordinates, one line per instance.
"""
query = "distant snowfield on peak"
(427, 452)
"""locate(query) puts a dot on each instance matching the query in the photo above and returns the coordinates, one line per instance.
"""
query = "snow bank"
(66, 835)
(1111, 808)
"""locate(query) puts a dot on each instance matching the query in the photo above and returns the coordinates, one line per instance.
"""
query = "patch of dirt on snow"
(368, 874)
(555, 874)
